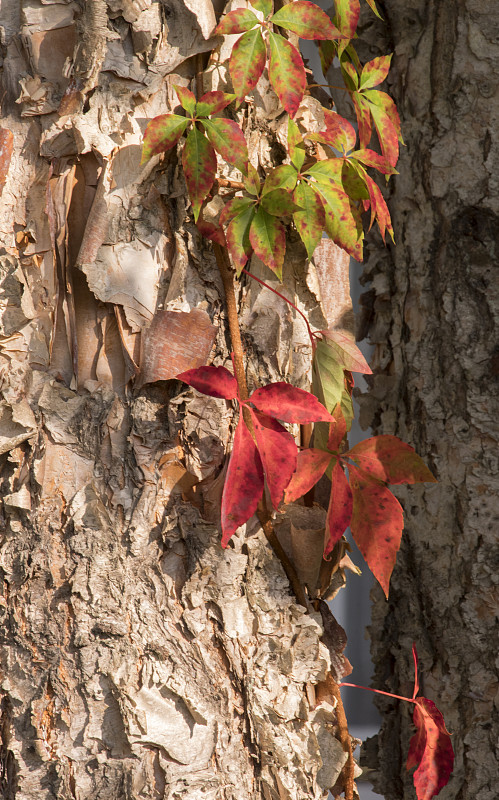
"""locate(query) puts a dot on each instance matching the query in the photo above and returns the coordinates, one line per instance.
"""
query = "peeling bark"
(137, 659)
(434, 309)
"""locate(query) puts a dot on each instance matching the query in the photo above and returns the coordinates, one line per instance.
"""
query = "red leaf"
(277, 450)
(341, 133)
(379, 209)
(387, 458)
(337, 430)
(187, 99)
(372, 159)
(311, 220)
(162, 133)
(377, 524)
(307, 20)
(339, 512)
(387, 131)
(268, 239)
(430, 750)
(234, 207)
(347, 352)
(213, 102)
(243, 485)
(375, 72)
(290, 404)
(286, 72)
(211, 231)
(200, 165)
(311, 465)
(228, 139)
(213, 381)
(343, 224)
(238, 21)
(246, 62)
(363, 114)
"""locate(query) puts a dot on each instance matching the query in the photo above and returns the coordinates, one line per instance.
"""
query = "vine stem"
(348, 769)
(263, 513)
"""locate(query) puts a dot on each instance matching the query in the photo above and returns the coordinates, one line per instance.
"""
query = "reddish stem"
(378, 691)
(310, 331)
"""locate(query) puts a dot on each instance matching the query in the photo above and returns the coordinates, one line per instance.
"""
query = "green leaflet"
(286, 72)
(268, 239)
(246, 62)
(306, 19)
(228, 139)
(310, 220)
(296, 147)
(328, 385)
(265, 6)
(200, 164)
(237, 236)
(279, 203)
(163, 133)
(282, 177)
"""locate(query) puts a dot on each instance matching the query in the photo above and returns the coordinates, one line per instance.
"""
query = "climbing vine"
(325, 187)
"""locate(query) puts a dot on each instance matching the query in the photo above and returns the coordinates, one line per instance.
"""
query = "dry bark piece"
(174, 342)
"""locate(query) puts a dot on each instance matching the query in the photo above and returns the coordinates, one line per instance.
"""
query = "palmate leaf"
(278, 452)
(387, 458)
(162, 133)
(328, 383)
(374, 72)
(200, 165)
(376, 525)
(346, 18)
(282, 177)
(307, 20)
(187, 99)
(279, 203)
(237, 21)
(246, 62)
(265, 6)
(363, 114)
(268, 239)
(430, 750)
(340, 132)
(296, 146)
(287, 402)
(327, 172)
(213, 103)
(228, 139)
(310, 220)
(343, 222)
(286, 72)
(243, 485)
(339, 513)
(237, 235)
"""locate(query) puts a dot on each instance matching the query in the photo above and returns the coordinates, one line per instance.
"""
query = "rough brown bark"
(137, 659)
(434, 308)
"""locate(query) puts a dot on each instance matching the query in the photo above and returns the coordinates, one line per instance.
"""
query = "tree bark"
(432, 312)
(137, 659)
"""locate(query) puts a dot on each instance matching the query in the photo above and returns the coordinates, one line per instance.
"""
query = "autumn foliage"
(326, 186)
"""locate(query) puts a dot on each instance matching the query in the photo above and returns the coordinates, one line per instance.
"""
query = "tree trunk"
(138, 659)
(432, 313)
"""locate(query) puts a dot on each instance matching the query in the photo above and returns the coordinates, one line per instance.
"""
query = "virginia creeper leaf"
(430, 750)
(213, 102)
(386, 104)
(346, 18)
(200, 165)
(238, 21)
(286, 72)
(237, 236)
(343, 223)
(162, 133)
(377, 524)
(243, 485)
(246, 62)
(328, 383)
(296, 147)
(353, 184)
(268, 239)
(327, 54)
(306, 19)
(187, 99)
(310, 220)
(282, 177)
(375, 72)
(379, 208)
(372, 159)
(340, 132)
(211, 231)
(372, 6)
(213, 381)
(228, 139)
(363, 114)
(350, 73)
(277, 450)
(311, 465)
(252, 181)
(265, 6)
(339, 512)
(387, 133)
(287, 402)
(327, 172)
(391, 460)
(346, 351)
(235, 207)
(279, 203)
(337, 430)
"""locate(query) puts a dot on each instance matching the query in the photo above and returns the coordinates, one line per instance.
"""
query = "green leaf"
(162, 133)
(328, 385)
(213, 102)
(349, 73)
(187, 99)
(264, 6)
(353, 184)
(237, 236)
(200, 166)
(379, 209)
(268, 238)
(346, 352)
(347, 18)
(327, 53)
(372, 6)
(311, 220)
(252, 181)
(327, 172)
(306, 19)
(286, 72)
(387, 124)
(343, 222)
(246, 62)
(237, 21)
(375, 72)
(279, 203)
(363, 114)
(296, 146)
(228, 139)
(282, 177)
(235, 207)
